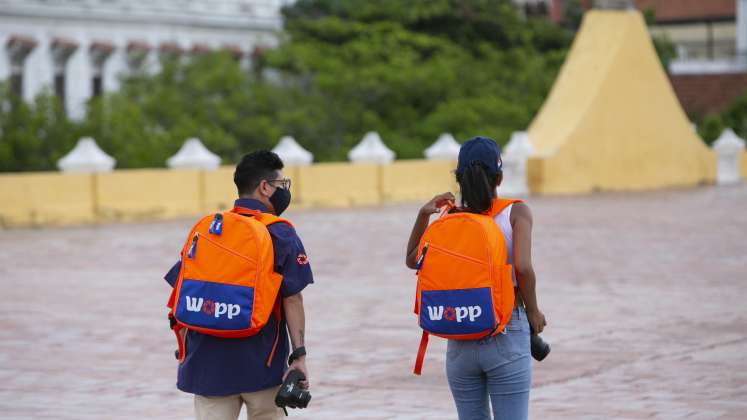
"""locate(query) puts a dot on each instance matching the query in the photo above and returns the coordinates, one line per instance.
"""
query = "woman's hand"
(434, 206)
(421, 222)
(536, 320)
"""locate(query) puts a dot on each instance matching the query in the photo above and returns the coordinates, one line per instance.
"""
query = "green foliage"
(409, 70)
(664, 46)
(735, 116)
(665, 49)
(413, 70)
(151, 116)
(573, 13)
(33, 136)
(711, 126)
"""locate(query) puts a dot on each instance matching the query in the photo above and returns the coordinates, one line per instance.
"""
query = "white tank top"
(503, 220)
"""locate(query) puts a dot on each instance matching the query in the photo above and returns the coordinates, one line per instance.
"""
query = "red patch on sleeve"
(302, 259)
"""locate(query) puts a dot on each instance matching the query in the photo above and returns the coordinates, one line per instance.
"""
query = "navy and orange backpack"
(465, 289)
(227, 285)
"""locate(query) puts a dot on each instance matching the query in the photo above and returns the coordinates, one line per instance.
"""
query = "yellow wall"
(220, 191)
(338, 185)
(45, 199)
(155, 194)
(612, 120)
(416, 180)
(53, 199)
(148, 194)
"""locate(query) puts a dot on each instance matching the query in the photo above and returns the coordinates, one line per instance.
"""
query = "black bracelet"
(297, 353)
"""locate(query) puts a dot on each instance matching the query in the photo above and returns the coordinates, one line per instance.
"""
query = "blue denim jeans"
(498, 366)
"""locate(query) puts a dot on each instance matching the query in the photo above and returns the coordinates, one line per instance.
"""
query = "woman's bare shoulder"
(520, 211)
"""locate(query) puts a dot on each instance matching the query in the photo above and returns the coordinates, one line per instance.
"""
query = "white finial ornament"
(371, 150)
(445, 148)
(292, 153)
(193, 155)
(86, 156)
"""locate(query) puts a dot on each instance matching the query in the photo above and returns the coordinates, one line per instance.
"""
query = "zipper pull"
(192, 248)
(419, 264)
(216, 227)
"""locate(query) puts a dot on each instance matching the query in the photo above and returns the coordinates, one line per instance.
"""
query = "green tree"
(735, 115)
(712, 125)
(409, 70)
(33, 136)
(151, 116)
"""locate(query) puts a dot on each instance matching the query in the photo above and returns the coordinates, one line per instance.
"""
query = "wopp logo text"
(437, 313)
(210, 307)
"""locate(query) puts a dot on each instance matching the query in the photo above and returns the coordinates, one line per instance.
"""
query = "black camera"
(291, 394)
(540, 349)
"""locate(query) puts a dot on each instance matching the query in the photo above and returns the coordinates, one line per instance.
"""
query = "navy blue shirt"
(216, 366)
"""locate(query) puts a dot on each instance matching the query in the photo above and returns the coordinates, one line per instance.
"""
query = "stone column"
(18, 48)
(99, 53)
(63, 85)
(38, 72)
(115, 67)
(170, 51)
(137, 55)
(235, 51)
(742, 31)
(199, 48)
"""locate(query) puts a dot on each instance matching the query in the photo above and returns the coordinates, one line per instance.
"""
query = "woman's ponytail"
(477, 187)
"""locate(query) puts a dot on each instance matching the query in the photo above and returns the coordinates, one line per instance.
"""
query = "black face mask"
(280, 200)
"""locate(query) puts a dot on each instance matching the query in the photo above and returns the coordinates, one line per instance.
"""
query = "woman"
(497, 366)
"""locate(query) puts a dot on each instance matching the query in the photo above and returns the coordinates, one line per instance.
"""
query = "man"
(225, 373)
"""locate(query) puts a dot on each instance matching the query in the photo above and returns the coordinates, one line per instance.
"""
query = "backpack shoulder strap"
(499, 204)
(266, 219)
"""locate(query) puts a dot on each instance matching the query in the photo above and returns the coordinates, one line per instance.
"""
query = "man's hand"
(299, 364)
(536, 320)
(434, 206)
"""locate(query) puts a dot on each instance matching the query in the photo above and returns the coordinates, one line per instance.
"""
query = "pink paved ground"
(644, 293)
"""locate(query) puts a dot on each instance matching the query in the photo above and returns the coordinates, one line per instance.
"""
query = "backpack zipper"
(454, 254)
(223, 248)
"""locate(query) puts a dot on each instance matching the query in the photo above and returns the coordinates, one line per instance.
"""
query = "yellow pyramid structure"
(612, 120)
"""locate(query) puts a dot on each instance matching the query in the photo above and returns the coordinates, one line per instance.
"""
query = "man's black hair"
(255, 167)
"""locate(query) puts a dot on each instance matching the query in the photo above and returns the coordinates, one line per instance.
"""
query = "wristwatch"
(297, 353)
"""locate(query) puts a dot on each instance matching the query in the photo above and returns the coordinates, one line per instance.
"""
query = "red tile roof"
(684, 10)
(678, 10)
(708, 93)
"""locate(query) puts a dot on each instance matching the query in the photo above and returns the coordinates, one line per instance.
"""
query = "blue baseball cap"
(483, 150)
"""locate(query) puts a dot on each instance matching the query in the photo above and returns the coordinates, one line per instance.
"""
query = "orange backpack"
(465, 289)
(227, 285)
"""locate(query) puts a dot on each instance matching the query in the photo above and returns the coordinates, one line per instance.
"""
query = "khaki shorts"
(260, 405)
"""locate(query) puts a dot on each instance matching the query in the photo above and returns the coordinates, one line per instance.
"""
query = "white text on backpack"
(209, 307)
(437, 313)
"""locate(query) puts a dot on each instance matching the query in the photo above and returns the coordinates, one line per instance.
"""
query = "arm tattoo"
(300, 342)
